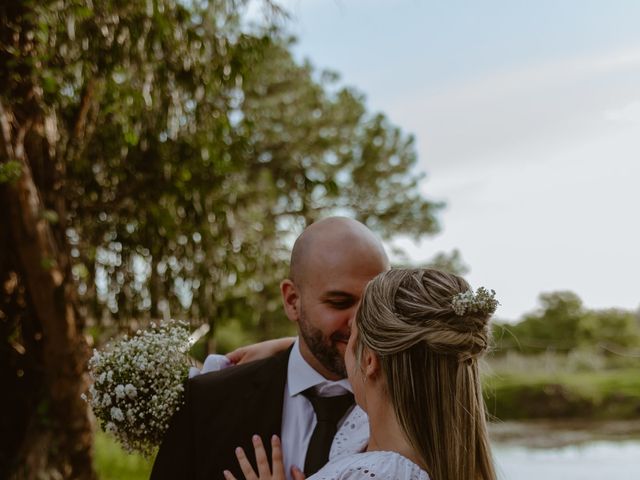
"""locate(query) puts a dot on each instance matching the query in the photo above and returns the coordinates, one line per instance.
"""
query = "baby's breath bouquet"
(138, 384)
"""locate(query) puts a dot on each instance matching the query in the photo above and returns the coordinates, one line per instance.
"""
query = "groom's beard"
(325, 349)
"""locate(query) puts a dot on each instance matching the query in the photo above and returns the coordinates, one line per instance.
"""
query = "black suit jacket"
(222, 411)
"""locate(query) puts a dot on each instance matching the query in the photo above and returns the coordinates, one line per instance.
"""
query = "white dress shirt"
(299, 419)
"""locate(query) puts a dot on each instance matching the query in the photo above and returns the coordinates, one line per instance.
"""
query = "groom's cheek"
(341, 346)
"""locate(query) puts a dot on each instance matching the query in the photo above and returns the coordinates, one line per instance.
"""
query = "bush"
(606, 395)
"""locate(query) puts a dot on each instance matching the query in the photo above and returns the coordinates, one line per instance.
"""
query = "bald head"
(331, 263)
(334, 237)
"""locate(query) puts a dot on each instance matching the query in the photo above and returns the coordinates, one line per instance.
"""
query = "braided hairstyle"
(429, 359)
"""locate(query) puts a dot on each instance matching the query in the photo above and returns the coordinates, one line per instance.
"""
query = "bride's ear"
(371, 364)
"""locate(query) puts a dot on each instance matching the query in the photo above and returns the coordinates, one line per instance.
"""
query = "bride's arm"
(259, 350)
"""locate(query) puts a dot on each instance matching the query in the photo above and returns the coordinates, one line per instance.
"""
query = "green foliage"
(563, 324)
(449, 262)
(598, 395)
(611, 329)
(192, 149)
(557, 322)
(10, 171)
(113, 463)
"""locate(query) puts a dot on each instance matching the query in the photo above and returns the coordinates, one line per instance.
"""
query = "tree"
(449, 262)
(611, 330)
(563, 324)
(61, 64)
(156, 159)
(554, 326)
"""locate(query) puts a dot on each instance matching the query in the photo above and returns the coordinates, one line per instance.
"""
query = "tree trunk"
(58, 440)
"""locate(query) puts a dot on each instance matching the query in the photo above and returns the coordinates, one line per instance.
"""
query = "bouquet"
(138, 384)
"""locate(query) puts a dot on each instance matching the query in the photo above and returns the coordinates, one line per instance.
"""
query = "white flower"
(150, 367)
(482, 301)
(116, 414)
(96, 357)
(120, 391)
(130, 390)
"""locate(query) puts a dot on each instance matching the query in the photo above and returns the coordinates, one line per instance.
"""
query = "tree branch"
(6, 146)
(81, 127)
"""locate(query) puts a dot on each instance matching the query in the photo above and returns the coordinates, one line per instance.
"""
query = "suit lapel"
(258, 411)
(266, 396)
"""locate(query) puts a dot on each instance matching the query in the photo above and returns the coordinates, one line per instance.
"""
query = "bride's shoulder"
(371, 465)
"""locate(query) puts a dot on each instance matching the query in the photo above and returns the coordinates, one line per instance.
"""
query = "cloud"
(539, 168)
(627, 114)
(529, 108)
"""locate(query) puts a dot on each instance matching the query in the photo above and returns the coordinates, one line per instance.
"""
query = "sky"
(526, 116)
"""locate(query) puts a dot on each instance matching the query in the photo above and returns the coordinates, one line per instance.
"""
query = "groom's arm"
(175, 457)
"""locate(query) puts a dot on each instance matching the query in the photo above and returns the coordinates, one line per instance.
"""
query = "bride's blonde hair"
(429, 358)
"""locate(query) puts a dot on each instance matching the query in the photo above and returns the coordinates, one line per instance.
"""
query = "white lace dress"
(371, 465)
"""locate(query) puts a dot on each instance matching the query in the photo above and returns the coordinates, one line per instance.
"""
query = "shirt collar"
(301, 376)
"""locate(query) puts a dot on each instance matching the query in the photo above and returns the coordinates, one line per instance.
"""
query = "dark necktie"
(329, 410)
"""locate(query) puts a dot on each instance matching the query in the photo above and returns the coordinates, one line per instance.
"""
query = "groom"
(331, 263)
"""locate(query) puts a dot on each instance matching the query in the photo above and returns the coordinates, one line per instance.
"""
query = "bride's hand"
(258, 351)
(264, 472)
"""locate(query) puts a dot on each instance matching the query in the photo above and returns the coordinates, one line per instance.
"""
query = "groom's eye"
(341, 304)
(339, 300)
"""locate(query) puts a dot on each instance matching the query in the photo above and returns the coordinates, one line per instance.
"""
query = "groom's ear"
(290, 300)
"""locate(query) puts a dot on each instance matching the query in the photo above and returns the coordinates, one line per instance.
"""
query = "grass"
(113, 463)
(555, 389)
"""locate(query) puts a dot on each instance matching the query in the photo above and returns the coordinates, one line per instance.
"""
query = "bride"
(412, 360)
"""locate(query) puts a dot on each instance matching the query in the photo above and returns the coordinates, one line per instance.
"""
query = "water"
(596, 460)
(576, 451)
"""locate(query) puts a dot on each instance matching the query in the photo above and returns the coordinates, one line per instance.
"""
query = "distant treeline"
(565, 361)
(562, 324)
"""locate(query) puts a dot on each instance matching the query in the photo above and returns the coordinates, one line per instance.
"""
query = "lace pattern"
(368, 465)
(352, 436)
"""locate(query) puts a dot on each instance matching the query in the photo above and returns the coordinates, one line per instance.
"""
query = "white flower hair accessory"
(483, 301)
